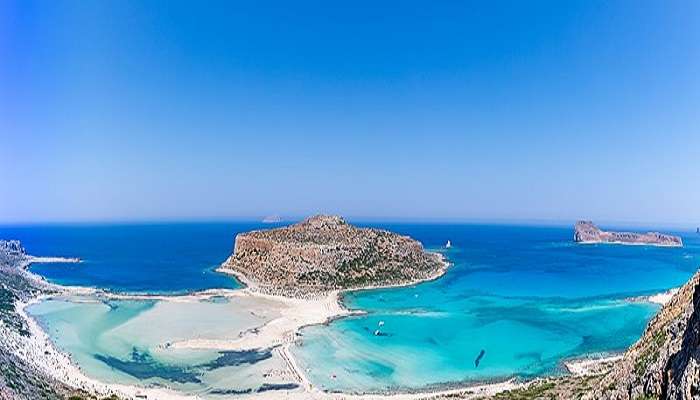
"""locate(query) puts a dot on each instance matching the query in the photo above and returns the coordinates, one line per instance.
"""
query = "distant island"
(272, 219)
(325, 253)
(663, 364)
(587, 232)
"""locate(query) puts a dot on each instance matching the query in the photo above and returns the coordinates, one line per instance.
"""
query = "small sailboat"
(380, 323)
(448, 244)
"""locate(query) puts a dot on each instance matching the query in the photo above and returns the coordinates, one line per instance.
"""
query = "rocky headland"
(323, 254)
(665, 362)
(587, 232)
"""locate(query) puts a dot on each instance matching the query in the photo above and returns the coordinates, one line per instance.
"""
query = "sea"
(517, 302)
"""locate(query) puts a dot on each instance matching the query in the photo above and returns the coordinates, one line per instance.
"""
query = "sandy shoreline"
(590, 365)
(658, 298)
(53, 260)
(43, 354)
(278, 334)
(617, 242)
(663, 298)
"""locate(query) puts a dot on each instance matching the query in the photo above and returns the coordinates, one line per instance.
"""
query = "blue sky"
(464, 110)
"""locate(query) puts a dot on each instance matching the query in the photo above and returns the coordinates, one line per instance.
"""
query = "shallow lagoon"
(527, 296)
(126, 341)
(421, 346)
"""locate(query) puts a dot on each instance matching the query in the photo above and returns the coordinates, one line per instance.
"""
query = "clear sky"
(449, 110)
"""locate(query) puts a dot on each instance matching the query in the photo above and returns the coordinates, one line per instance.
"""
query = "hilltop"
(325, 253)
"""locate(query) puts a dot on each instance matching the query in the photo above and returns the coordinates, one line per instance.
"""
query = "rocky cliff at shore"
(665, 362)
(587, 232)
(325, 253)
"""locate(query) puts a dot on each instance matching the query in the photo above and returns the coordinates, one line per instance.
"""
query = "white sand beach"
(53, 260)
(295, 314)
(591, 365)
(662, 298)
(278, 333)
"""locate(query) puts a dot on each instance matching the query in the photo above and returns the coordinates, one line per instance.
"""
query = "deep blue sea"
(163, 258)
(527, 296)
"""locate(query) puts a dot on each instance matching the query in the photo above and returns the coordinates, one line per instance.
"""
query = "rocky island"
(663, 364)
(587, 232)
(325, 253)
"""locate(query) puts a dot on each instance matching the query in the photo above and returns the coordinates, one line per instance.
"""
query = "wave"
(588, 308)
(663, 297)
(660, 298)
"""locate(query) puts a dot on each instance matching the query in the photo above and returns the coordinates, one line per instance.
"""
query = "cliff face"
(587, 232)
(325, 253)
(665, 362)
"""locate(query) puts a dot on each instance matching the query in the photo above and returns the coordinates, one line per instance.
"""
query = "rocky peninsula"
(587, 232)
(323, 254)
(663, 364)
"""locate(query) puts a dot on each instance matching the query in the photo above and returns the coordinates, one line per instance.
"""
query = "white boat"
(448, 244)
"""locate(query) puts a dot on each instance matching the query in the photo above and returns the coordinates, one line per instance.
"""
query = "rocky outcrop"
(665, 362)
(325, 253)
(11, 250)
(587, 232)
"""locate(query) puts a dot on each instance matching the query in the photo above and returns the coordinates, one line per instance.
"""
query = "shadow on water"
(141, 365)
(277, 386)
(265, 387)
(236, 358)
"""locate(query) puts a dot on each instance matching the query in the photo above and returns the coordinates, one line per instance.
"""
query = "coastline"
(54, 260)
(660, 298)
(39, 351)
(278, 334)
(618, 242)
(591, 365)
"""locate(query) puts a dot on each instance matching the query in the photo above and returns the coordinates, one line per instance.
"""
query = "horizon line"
(355, 219)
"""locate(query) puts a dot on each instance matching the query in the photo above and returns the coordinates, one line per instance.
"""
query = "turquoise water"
(126, 341)
(422, 345)
(525, 296)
